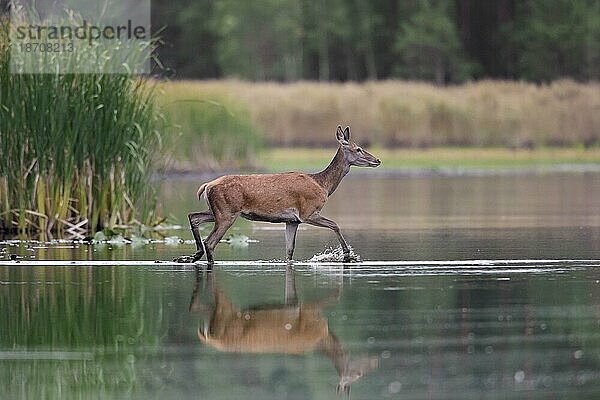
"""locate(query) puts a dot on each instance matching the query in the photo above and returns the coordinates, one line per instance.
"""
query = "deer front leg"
(319, 220)
(290, 239)
(195, 220)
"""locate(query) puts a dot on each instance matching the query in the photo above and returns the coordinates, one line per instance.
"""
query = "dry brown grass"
(396, 113)
(452, 158)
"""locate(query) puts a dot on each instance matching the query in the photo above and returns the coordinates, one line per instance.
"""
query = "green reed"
(207, 130)
(74, 148)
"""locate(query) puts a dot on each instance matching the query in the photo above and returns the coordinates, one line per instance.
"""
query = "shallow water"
(510, 317)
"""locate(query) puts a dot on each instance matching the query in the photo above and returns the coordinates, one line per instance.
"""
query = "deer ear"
(341, 135)
(347, 133)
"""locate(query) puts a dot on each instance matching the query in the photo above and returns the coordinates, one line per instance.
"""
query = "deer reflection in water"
(293, 328)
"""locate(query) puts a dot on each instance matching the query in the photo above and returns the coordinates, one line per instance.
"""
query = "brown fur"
(264, 331)
(268, 195)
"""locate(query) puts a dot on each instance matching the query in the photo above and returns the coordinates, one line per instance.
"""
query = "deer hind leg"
(223, 222)
(319, 220)
(195, 220)
(290, 239)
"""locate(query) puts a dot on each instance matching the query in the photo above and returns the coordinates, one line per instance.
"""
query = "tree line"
(443, 41)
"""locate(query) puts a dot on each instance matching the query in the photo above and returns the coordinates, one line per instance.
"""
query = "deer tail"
(201, 190)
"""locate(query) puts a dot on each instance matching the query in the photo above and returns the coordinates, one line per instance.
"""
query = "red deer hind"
(291, 198)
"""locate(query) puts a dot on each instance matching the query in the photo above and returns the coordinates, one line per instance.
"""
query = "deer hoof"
(351, 257)
(189, 259)
(198, 255)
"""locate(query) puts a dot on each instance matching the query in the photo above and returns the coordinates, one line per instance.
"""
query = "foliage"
(208, 130)
(76, 149)
(558, 38)
(434, 40)
(189, 36)
(430, 47)
(251, 49)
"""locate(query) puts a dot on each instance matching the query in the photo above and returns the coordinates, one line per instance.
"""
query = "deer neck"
(331, 176)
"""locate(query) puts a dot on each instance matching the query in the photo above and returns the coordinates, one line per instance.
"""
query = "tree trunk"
(439, 71)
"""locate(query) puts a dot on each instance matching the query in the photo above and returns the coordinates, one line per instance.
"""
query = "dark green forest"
(443, 41)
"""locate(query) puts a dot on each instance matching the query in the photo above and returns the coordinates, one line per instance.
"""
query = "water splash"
(331, 254)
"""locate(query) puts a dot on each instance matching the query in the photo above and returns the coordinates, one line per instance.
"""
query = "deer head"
(353, 153)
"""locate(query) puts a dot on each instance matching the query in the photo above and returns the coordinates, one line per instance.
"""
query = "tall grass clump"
(75, 149)
(208, 130)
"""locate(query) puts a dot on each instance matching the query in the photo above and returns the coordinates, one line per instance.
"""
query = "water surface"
(467, 292)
